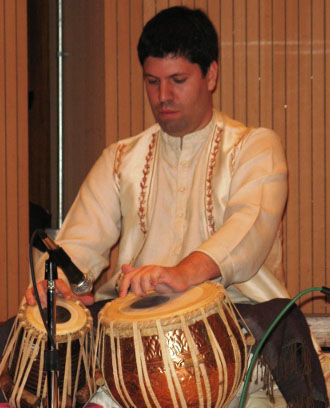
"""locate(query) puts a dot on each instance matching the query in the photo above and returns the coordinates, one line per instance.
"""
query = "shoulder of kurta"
(237, 129)
(132, 141)
(238, 133)
(231, 123)
(233, 132)
(137, 144)
(264, 139)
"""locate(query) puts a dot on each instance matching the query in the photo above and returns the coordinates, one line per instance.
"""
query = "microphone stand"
(51, 365)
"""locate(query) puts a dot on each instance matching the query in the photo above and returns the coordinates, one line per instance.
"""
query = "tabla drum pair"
(180, 350)
(22, 376)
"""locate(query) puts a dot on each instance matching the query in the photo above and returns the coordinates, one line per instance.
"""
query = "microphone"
(80, 282)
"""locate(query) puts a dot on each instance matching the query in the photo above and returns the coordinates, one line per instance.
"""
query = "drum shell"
(32, 381)
(218, 384)
(22, 377)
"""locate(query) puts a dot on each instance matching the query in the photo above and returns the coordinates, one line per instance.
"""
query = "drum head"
(161, 306)
(70, 317)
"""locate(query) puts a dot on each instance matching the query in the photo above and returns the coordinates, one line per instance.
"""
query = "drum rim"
(26, 313)
(125, 329)
(192, 311)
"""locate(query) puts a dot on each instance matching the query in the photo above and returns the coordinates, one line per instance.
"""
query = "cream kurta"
(220, 191)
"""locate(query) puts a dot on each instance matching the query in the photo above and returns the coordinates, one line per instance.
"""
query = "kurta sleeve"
(92, 225)
(256, 200)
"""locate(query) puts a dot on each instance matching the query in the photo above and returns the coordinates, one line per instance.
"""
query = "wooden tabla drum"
(178, 350)
(23, 378)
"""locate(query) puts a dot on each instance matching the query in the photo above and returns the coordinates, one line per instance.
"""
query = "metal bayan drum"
(181, 350)
(23, 378)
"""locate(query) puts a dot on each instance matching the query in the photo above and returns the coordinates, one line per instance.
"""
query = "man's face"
(179, 95)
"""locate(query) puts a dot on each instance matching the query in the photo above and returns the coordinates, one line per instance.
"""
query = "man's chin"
(173, 127)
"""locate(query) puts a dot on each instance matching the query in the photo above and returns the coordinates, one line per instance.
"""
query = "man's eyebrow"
(146, 74)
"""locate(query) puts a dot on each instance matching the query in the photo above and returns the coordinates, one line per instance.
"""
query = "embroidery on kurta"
(210, 171)
(236, 148)
(144, 185)
(119, 156)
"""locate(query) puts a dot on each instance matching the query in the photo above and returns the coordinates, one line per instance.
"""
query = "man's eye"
(179, 80)
(152, 81)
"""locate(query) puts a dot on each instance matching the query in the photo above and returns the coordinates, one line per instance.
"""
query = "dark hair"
(180, 31)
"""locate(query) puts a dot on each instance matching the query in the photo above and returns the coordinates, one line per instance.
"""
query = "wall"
(83, 85)
(13, 156)
(39, 102)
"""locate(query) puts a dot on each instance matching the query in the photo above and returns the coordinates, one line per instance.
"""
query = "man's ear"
(212, 76)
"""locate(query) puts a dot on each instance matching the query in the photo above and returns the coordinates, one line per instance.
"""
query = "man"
(195, 197)
(180, 94)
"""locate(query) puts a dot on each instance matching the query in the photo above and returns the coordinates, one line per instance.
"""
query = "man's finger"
(127, 268)
(148, 282)
(163, 288)
(29, 296)
(87, 299)
(125, 284)
(126, 281)
(64, 289)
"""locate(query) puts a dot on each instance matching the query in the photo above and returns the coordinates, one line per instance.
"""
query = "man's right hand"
(192, 270)
(61, 288)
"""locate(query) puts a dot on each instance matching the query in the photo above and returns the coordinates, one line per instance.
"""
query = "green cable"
(265, 337)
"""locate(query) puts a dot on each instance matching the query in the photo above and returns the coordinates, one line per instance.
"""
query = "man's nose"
(165, 93)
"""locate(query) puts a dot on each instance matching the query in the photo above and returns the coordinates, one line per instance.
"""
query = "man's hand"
(62, 288)
(152, 277)
(193, 270)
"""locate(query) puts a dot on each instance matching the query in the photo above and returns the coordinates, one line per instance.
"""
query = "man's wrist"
(199, 267)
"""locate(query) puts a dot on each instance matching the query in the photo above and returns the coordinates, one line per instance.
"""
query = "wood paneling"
(110, 61)
(14, 156)
(274, 71)
(327, 142)
(39, 109)
(3, 172)
(227, 69)
(84, 92)
(318, 109)
(290, 47)
(305, 147)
